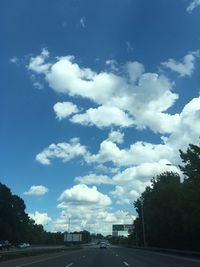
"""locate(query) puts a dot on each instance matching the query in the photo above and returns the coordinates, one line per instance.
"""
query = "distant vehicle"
(103, 245)
(24, 245)
(5, 244)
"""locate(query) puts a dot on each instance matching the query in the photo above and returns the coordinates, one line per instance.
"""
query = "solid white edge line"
(33, 262)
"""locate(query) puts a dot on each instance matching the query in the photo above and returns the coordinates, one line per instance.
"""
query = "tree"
(191, 196)
(15, 224)
(161, 210)
(191, 160)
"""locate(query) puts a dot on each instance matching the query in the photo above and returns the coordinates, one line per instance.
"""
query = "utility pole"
(69, 226)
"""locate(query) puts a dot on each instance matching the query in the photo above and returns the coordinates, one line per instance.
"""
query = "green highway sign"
(118, 227)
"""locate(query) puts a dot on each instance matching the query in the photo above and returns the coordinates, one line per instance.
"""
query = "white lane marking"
(116, 255)
(33, 262)
(83, 256)
(70, 264)
(125, 263)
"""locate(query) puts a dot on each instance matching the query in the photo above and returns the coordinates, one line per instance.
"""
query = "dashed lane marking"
(70, 264)
(125, 263)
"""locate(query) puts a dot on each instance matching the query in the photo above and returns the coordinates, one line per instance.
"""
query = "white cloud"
(116, 137)
(184, 68)
(189, 128)
(104, 169)
(194, 4)
(37, 64)
(63, 151)
(143, 172)
(91, 218)
(94, 179)
(131, 182)
(136, 154)
(103, 116)
(64, 109)
(40, 218)
(187, 131)
(124, 195)
(135, 70)
(131, 97)
(81, 194)
(36, 190)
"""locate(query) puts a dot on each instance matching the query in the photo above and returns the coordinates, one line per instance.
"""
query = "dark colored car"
(5, 245)
(103, 245)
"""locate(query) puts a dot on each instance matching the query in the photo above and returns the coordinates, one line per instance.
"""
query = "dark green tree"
(191, 196)
(162, 213)
(15, 224)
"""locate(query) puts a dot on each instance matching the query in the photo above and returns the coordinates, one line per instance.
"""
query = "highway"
(96, 257)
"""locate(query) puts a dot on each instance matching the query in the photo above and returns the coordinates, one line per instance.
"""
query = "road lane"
(141, 258)
(95, 257)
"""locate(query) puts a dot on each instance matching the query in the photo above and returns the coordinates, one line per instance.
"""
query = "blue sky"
(96, 98)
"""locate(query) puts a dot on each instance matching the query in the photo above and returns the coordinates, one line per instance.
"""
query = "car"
(24, 245)
(5, 244)
(103, 245)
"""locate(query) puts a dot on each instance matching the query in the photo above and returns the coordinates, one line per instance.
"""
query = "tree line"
(169, 209)
(17, 227)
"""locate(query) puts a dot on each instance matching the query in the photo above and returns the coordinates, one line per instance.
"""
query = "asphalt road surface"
(110, 257)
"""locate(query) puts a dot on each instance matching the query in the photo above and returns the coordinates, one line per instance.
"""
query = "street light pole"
(69, 226)
(173, 165)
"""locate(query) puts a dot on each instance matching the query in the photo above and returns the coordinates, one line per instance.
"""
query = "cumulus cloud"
(184, 68)
(103, 116)
(143, 155)
(94, 179)
(90, 218)
(100, 168)
(137, 153)
(81, 194)
(37, 64)
(126, 96)
(131, 182)
(135, 70)
(64, 109)
(36, 190)
(40, 218)
(194, 4)
(186, 132)
(116, 137)
(63, 151)
(131, 97)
